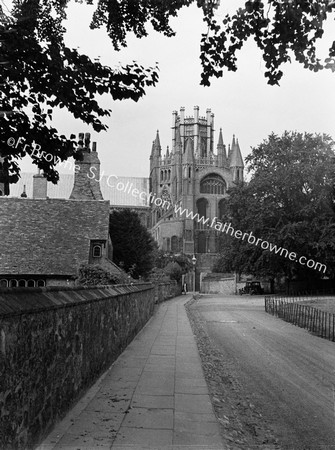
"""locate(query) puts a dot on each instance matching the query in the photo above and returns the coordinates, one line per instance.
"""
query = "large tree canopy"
(133, 245)
(289, 202)
(39, 72)
(281, 29)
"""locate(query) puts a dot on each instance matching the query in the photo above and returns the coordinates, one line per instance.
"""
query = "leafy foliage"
(288, 202)
(170, 266)
(41, 73)
(162, 259)
(174, 271)
(93, 275)
(133, 245)
(280, 28)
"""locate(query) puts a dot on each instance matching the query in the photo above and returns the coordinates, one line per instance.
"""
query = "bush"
(93, 275)
(174, 271)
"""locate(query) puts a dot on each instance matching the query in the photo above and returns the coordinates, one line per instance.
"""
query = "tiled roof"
(51, 236)
(116, 196)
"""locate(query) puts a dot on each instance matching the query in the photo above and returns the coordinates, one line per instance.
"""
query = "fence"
(291, 309)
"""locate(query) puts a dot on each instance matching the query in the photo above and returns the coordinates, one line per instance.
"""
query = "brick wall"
(54, 343)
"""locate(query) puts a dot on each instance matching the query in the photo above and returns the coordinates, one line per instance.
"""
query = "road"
(281, 372)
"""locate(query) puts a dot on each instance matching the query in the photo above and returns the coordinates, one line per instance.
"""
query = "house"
(43, 241)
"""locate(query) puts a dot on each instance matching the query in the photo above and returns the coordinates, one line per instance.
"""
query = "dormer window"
(97, 251)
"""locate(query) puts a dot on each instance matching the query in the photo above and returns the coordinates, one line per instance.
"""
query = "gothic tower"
(193, 180)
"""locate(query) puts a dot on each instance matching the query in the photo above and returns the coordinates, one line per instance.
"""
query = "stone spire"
(157, 145)
(236, 161)
(221, 151)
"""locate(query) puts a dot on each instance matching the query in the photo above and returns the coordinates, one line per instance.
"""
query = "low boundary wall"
(54, 343)
(166, 290)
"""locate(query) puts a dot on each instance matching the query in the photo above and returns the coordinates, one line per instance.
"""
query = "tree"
(280, 28)
(173, 265)
(289, 202)
(40, 73)
(133, 245)
(174, 271)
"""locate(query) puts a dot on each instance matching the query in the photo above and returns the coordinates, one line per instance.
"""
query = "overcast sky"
(242, 102)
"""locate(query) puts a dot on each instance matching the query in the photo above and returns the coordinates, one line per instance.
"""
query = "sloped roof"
(49, 236)
(115, 195)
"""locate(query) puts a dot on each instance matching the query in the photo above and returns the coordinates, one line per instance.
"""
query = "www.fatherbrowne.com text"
(151, 198)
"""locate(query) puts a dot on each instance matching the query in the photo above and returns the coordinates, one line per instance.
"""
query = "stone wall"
(54, 343)
(166, 290)
(225, 286)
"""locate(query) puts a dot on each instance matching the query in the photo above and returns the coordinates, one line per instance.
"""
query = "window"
(97, 251)
(202, 207)
(174, 244)
(13, 283)
(202, 242)
(213, 184)
(22, 283)
(41, 283)
(188, 235)
(222, 208)
(31, 283)
(3, 283)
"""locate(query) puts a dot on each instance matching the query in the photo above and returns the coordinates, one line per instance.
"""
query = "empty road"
(280, 372)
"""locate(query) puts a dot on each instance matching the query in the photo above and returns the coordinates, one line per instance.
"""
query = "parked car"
(252, 288)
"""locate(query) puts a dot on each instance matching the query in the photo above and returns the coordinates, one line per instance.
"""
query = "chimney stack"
(87, 178)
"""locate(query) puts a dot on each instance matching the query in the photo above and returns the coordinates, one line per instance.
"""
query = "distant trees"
(39, 72)
(170, 265)
(289, 202)
(133, 245)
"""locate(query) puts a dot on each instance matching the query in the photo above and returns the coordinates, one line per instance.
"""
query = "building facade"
(194, 178)
(45, 240)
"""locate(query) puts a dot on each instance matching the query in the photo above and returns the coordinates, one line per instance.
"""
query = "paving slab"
(154, 397)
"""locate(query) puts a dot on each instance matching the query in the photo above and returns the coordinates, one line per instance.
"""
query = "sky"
(242, 102)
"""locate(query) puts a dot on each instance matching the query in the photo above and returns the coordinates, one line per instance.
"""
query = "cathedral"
(195, 177)
(182, 199)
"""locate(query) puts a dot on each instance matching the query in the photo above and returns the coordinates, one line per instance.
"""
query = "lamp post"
(194, 261)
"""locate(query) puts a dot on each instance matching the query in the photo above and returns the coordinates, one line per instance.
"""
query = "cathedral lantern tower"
(194, 177)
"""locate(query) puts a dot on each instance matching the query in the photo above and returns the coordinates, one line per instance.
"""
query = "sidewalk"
(153, 397)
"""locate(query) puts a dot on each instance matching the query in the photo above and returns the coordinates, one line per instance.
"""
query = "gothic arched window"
(213, 184)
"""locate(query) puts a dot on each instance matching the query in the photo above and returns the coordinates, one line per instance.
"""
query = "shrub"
(174, 271)
(93, 275)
